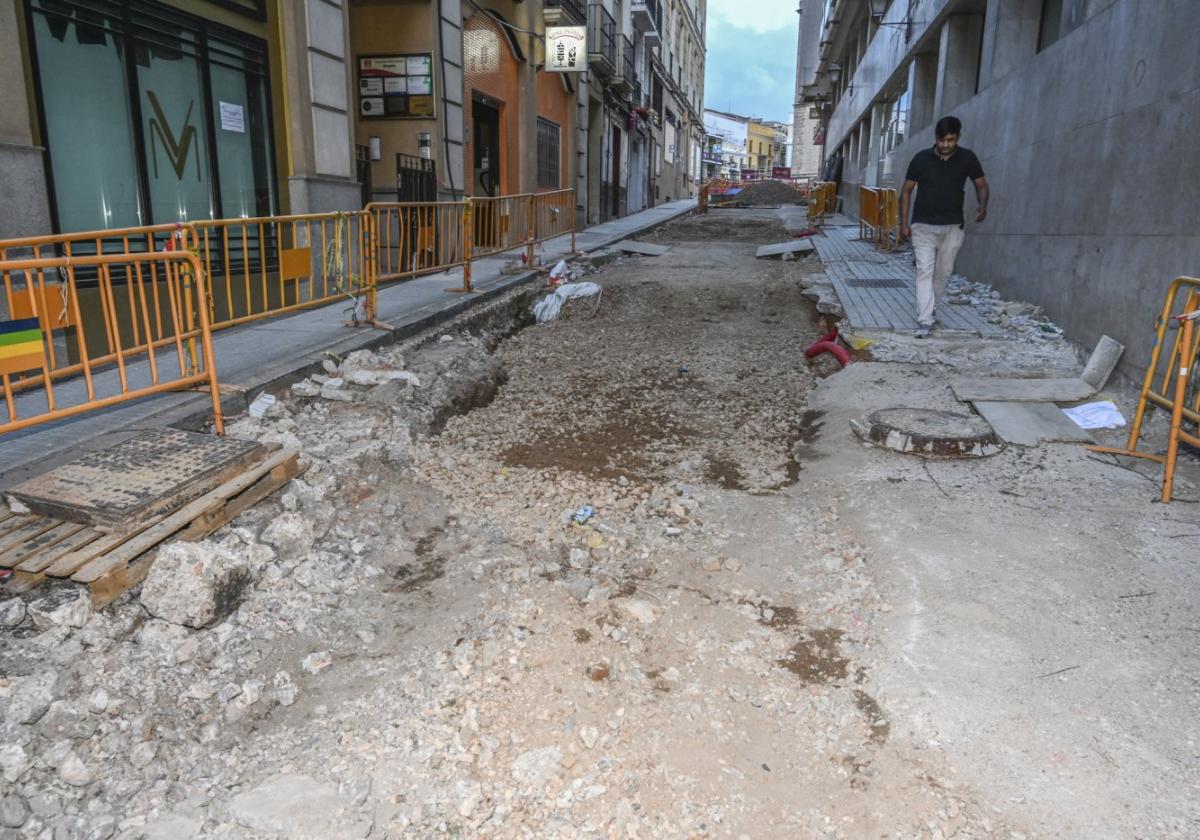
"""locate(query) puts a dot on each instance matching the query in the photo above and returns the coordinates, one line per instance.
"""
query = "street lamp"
(879, 8)
(835, 72)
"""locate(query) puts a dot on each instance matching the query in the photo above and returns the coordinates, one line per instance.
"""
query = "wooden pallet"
(110, 561)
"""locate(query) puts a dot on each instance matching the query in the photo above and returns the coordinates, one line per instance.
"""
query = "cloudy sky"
(751, 64)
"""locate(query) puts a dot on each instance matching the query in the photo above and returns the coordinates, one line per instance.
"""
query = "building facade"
(122, 113)
(727, 150)
(1071, 105)
(808, 137)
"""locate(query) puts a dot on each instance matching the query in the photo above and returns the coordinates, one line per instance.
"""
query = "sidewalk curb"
(193, 410)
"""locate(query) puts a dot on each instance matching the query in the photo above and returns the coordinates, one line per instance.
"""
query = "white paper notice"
(233, 117)
(395, 85)
(419, 84)
(370, 87)
(417, 65)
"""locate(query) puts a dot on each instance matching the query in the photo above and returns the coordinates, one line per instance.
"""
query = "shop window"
(548, 155)
(135, 101)
(85, 115)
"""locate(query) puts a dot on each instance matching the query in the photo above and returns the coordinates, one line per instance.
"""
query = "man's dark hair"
(947, 125)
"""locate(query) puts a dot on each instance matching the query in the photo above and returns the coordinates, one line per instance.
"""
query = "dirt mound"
(765, 192)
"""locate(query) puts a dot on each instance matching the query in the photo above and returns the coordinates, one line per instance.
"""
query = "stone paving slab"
(996, 389)
(645, 249)
(778, 249)
(1028, 424)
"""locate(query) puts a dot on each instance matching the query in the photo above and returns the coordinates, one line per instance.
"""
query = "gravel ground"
(600, 577)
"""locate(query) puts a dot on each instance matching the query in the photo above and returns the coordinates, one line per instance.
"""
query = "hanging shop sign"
(395, 86)
(566, 49)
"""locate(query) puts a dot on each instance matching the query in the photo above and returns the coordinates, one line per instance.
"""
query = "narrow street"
(627, 574)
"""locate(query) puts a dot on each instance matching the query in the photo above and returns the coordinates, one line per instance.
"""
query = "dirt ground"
(629, 574)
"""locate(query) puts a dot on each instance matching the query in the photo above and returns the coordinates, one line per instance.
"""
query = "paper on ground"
(1097, 415)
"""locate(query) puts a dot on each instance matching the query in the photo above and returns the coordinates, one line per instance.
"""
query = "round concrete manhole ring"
(925, 431)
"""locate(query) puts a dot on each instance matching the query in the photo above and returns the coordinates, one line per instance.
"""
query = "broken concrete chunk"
(194, 584)
(378, 377)
(298, 807)
(61, 608)
(306, 388)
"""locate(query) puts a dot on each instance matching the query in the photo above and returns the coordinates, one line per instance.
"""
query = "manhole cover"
(923, 431)
(145, 475)
(876, 283)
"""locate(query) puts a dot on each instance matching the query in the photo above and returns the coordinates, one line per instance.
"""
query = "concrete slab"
(1028, 424)
(1100, 366)
(992, 389)
(775, 250)
(645, 249)
(1102, 362)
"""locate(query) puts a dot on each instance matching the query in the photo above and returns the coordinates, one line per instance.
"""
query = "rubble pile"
(551, 588)
(758, 193)
(1019, 319)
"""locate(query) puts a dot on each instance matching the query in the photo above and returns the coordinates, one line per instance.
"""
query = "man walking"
(940, 175)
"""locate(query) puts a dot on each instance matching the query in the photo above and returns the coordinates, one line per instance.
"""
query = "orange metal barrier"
(879, 215)
(50, 295)
(53, 339)
(415, 238)
(501, 223)
(266, 266)
(1170, 382)
(868, 213)
(821, 201)
(554, 215)
(702, 204)
(889, 219)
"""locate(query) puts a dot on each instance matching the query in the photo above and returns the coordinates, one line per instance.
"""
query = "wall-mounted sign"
(784, 172)
(566, 49)
(395, 86)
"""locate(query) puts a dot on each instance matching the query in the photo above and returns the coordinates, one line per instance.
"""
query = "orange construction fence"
(1170, 382)
(145, 335)
(262, 267)
(878, 217)
(101, 306)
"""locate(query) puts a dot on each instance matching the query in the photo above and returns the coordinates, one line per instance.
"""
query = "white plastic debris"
(260, 405)
(16, 506)
(1097, 415)
(548, 308)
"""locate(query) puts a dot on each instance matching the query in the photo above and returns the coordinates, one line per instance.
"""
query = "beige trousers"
(935, 247)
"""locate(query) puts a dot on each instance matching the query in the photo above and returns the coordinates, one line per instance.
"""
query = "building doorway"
(616, 171)
(486, 165)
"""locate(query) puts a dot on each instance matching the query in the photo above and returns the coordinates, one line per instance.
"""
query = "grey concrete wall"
(1091, 151)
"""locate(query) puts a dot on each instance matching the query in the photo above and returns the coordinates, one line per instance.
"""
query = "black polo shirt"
(940, 185)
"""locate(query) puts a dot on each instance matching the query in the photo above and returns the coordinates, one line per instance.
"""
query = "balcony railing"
(627, 61)
(647, 18)
(565, 11)
(602, 39)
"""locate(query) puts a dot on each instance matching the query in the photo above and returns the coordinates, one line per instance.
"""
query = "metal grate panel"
(877, 282)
